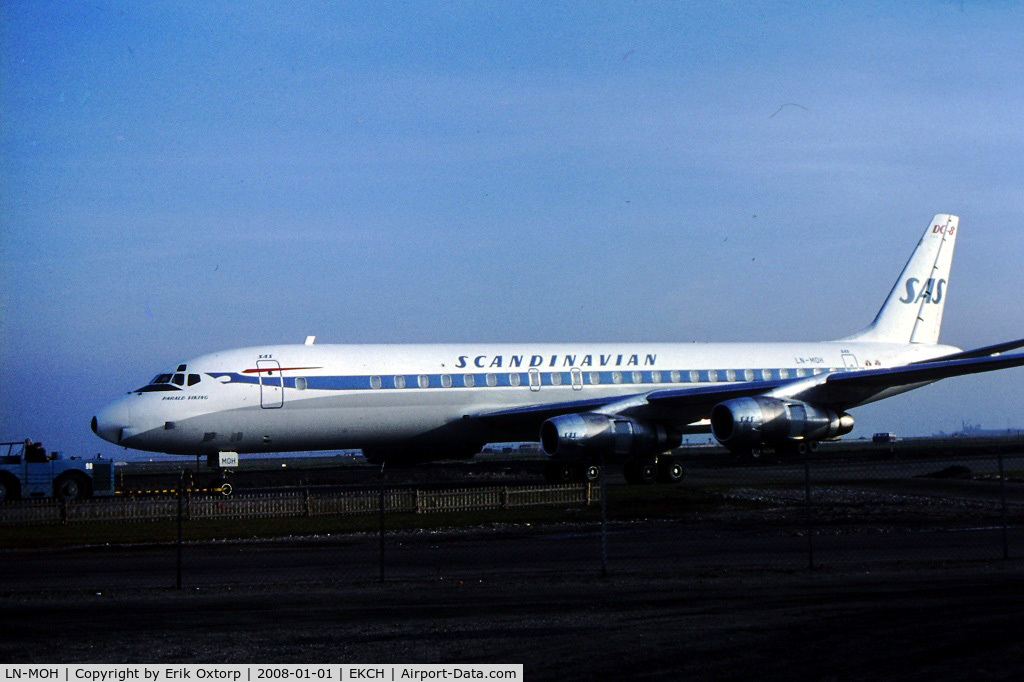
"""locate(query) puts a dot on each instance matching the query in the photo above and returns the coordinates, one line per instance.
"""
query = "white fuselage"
(326, 397)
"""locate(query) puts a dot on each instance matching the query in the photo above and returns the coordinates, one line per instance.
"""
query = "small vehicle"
(27, 471)
(884, 437)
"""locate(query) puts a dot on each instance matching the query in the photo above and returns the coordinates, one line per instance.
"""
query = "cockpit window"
(167, 382)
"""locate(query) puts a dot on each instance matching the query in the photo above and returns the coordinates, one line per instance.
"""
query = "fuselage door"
(271, 384)
(849, 361)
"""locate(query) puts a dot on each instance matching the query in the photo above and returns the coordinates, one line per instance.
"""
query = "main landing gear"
(791, 449)
(639, 471)
(647, 470)
(571, 472)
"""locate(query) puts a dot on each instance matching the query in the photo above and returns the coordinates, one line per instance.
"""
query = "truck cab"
(28, 471)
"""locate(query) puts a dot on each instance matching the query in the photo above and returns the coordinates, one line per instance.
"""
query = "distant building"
(975, 431)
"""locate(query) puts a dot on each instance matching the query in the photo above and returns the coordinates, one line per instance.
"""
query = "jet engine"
(757, 421)
(587, 434)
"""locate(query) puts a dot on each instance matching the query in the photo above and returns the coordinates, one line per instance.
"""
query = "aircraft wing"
(978, 352)
(686, 406)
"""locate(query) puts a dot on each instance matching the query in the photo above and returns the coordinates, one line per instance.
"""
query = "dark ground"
(933, 622)
(908, 587)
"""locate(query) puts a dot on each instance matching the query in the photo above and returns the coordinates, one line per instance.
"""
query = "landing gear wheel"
(641, 471)
(559, 472)
(221, 484)
(798, 448)
(671, 471)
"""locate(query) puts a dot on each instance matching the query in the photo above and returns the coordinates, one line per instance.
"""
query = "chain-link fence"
(725, 515)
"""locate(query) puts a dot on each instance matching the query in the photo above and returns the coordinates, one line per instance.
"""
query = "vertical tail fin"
(913, 311)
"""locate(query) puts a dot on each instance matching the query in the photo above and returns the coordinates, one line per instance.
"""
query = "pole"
(181, 506)
(807, 506)
(1002, 499)
(604, 519)
(381, 509)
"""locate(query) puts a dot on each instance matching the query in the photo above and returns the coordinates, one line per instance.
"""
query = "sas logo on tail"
(930, 293)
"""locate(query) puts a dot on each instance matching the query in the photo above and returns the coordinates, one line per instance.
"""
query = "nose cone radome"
(114, 422)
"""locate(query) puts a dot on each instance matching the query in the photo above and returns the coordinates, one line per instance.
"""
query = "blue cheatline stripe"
(505, 379)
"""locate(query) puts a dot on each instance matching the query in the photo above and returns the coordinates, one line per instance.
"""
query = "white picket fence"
(131, 509)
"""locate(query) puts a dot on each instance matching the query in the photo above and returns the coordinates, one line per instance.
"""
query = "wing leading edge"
(839, 390)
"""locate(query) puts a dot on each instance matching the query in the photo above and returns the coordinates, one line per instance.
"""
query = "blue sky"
(182, 178)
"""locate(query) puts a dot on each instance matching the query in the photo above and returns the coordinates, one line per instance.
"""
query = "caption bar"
(257, 673)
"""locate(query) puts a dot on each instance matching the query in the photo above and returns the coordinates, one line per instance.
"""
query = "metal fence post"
(807, 506)
(1002, 500)
(604, 519)
(381, 509)
(181, 511)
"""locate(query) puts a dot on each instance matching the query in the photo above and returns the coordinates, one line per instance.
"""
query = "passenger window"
(469, 380)
(514, 379)
(748, 374)
(399, 381)
(656, 377)
(674, 376)
(783, 373)
(712, 375)
(638, 377)
(375, 382)
(766, 374)
(446, 380)
(616, 377)
(492, 379)
(730, 375)
(595, 378)
(801, 372)
(694, 376)
(178, 380)
(556, 378)
(423, 381)
(300, 383)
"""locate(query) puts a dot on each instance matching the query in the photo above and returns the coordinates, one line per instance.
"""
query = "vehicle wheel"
(70, 487)
(671, 471)
(559, 472)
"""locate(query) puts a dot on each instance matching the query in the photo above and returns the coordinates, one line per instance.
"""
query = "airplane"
(628, 402)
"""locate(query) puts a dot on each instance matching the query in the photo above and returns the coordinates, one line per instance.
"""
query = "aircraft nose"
(114, 422)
